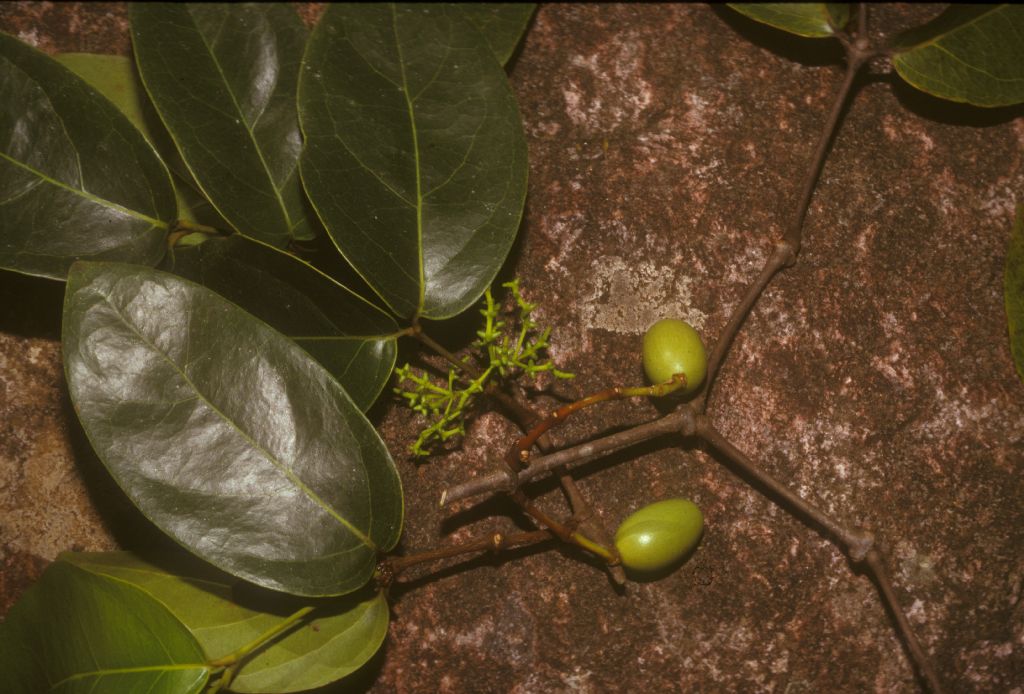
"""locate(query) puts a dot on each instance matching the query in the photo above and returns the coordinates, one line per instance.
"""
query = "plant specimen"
(229, 408)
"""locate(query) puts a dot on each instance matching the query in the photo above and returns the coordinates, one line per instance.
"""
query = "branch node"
(687, 419)
(787, 252)
(511, 481)
(384, 575)
(858, 543)
(862, 47)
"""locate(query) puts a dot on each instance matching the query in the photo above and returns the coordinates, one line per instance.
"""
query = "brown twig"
(780, 258)
(679, 422)
(519, 455)
(589, 522)
(392, 567)
(416, 330)
(785, 253)
(857, 544)
(567, 532)
(876, 568)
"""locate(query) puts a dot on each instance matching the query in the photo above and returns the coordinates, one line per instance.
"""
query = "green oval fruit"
(658, 535)
(671, 347)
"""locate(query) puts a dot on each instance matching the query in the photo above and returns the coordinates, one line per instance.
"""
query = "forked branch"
(856, 543)
(858, 54)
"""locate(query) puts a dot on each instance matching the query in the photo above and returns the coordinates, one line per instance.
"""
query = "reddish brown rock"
(667, 144)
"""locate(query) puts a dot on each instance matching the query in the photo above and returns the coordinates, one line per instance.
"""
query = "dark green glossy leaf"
(77, 180)
(76, 632)
(192, 206)
(1013, 291)
(811, 19)
(502, 24)
(226, 434)
(114, 77)
(351, 338)
(415, 157)
(340, 638)
(969, 53)
(222, 78)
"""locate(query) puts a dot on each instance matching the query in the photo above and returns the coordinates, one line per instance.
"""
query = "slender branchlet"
(508, 353)
(679, 422)
(521, 352)
(588, 522)
(690, 420)
(390, 569)
(786, 251)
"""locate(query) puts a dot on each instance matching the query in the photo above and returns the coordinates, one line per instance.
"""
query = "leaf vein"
(279, 465)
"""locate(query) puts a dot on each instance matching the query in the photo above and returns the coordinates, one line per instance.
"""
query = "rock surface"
(667, 144)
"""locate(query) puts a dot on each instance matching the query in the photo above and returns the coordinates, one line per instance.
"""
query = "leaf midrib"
(946, 34)
(416, 161)
(245, 125)
(324, 276)
(348, 338)
(149, 577)
(82, 193)
(968, 66)
(271, 458)
(107, 672)
(366, 618)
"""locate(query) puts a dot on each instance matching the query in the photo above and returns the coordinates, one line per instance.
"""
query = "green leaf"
(227, 435)
(1013, 291)
(351, 338)
(77, 180)
(222, 78)
(192, 206)
(811, 19)
(114, 77)
(969, 53)
(75, 632)
(502, 24)
(415, 157)
(340, 638)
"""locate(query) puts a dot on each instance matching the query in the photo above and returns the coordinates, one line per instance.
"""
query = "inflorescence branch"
(690, 420)
(509, 354)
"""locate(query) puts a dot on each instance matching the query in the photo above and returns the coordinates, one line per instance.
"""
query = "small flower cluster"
(509, 355)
